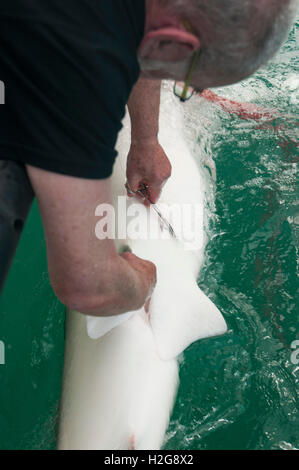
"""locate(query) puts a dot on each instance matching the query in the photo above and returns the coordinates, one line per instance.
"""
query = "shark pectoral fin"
(183, 320)
(99, 326)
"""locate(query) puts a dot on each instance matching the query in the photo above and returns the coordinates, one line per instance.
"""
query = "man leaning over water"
(69, 69)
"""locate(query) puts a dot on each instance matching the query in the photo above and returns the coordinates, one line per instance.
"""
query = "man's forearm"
(125, 286)
(147, 163)
(144, 105)
(87, 274)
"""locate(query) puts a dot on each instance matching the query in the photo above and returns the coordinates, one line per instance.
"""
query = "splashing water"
(240, 391)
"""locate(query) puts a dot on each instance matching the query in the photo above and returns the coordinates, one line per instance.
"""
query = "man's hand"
(147, 274)
(148, 166)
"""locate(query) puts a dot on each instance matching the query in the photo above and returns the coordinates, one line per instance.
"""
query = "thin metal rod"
(16, 196)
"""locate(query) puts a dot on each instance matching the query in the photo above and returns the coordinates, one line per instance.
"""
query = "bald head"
(235, 37)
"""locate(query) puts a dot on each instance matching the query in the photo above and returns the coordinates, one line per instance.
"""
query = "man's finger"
(133, 181)
(154, 193)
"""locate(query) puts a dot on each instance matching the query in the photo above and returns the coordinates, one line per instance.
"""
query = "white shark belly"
(117, 394)
(121, 373)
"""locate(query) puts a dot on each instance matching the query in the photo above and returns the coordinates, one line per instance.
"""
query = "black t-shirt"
(68, 67)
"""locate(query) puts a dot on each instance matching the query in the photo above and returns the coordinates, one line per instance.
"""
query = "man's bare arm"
(147, 162)
(144, 107)
(87, 274)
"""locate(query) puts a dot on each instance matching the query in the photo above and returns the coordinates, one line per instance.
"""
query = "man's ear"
(168, 45)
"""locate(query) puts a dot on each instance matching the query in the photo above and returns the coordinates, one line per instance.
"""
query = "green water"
(239, 391)
(32, 329)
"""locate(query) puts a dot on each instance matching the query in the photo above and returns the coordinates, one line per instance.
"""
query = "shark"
(121, 373)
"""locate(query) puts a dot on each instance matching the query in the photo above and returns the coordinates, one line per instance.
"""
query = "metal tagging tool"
(143, 193)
